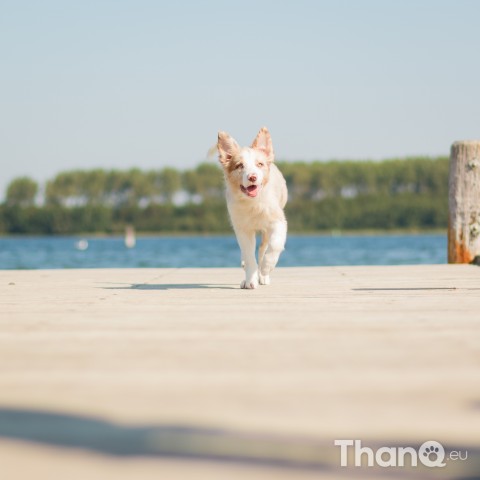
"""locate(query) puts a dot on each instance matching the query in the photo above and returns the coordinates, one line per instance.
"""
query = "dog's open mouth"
(251, 190)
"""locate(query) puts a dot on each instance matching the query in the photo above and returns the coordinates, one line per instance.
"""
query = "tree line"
(410, 193)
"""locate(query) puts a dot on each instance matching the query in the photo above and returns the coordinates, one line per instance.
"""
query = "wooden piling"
(464, 203)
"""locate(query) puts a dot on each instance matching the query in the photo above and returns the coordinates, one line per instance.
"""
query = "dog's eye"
(260, 164)
(239, 166)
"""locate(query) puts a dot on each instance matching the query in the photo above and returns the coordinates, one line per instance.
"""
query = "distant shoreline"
(319, 233)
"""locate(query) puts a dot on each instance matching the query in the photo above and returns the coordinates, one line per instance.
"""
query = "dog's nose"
(252, 178)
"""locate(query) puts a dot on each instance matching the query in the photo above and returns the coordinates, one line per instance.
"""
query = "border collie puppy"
(256, 196)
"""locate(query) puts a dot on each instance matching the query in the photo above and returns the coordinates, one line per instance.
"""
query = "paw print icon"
(432, 454)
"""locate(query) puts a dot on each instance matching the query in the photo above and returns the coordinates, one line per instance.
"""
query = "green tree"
(165, 183)
(206, 181)
(22, 192)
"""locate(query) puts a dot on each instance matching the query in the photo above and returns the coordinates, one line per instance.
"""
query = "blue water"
(218, 251)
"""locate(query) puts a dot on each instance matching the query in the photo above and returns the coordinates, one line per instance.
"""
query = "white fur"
(250, 168)
(262, 213)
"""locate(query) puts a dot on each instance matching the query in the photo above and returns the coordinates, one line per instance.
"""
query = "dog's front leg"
(276, 244)
(247, 246)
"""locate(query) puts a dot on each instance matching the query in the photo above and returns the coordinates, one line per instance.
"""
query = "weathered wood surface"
(464, 203)
(121, 374)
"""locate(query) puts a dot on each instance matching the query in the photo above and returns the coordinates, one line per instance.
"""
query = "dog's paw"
(249, 284)
(264, 279)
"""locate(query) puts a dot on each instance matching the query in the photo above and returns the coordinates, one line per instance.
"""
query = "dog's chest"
(253, 215)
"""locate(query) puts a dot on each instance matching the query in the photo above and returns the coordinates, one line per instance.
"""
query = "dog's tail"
(212, 152)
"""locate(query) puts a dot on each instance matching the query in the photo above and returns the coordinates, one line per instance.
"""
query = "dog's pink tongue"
(252, 191)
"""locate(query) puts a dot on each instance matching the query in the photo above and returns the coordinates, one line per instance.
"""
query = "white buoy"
(130, 239)
(82, 244)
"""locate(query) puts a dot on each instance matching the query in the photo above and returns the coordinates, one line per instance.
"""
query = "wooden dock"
(179, 374)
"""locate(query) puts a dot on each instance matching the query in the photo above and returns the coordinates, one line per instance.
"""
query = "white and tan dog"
(256, 196)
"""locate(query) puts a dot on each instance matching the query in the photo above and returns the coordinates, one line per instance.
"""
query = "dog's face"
(246, 169)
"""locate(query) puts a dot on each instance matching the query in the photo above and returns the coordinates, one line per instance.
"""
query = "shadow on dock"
(205, 444)
(172, 286)
(188, 442)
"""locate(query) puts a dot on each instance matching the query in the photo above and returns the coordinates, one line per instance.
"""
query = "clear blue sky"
(149, 83)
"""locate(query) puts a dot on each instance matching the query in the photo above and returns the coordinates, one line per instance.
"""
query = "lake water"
(218, 251)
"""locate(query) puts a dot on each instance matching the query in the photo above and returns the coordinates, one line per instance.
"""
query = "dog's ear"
(227, 148)
(263, 142)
